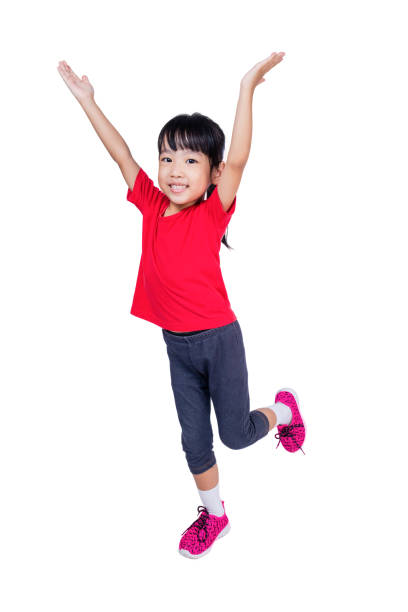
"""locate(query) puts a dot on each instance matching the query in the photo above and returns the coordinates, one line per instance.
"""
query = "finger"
(276, 56)
(72, 74)
(69, 70)
(271, 60)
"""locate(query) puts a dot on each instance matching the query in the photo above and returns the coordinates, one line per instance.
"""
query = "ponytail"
(224, 238)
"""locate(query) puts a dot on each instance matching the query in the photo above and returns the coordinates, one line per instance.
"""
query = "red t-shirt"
(179, 284)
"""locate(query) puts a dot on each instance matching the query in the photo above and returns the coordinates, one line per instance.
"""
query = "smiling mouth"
(178, 188)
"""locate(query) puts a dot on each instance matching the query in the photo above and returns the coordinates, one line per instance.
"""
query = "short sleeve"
(144, 193)
(217, 215)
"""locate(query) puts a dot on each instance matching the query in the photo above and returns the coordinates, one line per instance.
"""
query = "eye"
(163, 158)
(193, 160)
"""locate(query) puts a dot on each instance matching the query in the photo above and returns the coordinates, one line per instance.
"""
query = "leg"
(207, 484)
(208, 479)
(197, 438)
(193, 404)
(238, 426)
(281, 414)
(270, 415)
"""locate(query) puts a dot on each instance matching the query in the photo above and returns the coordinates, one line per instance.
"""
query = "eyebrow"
(185, 150)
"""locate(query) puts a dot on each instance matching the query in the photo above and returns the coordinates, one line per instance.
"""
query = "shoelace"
(200, 523)
(287, 432)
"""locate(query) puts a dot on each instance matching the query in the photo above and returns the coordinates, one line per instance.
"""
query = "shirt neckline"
(166, 205)
(172, 215)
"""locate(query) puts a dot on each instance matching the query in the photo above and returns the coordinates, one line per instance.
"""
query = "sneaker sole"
(298, 405)
(222, 533)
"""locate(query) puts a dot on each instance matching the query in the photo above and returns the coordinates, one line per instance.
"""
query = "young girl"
(180, 288)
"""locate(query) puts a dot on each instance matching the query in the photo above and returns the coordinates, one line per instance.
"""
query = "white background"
(94, 483)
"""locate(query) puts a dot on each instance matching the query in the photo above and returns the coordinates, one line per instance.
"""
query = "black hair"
(198, 133)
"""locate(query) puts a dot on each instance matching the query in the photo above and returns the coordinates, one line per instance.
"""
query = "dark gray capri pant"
(211, 365)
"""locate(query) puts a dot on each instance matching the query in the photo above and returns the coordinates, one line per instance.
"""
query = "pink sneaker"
(201, 534)
(291, 435)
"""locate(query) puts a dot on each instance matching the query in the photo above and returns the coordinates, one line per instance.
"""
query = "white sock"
(283, 413)
(211, 500)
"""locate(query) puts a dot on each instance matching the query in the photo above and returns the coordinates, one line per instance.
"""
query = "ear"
(216, 173)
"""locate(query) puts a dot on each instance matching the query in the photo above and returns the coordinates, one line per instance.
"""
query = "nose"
(176, 171)
(177, 168)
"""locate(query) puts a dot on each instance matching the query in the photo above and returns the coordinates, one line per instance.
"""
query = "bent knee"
(235, 443)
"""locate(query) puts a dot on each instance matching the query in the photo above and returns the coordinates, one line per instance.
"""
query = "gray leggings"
(211, 365)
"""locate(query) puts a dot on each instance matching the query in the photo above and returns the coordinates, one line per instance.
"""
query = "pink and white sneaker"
(198, 539)
(291, 435)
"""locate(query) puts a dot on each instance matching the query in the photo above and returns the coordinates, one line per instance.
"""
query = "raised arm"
(83, 91)
(242, 131)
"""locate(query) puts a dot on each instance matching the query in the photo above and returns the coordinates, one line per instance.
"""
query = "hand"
(81, 88)
(255, 76)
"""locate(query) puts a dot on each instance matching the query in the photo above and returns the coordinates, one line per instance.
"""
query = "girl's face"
(184, 175)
